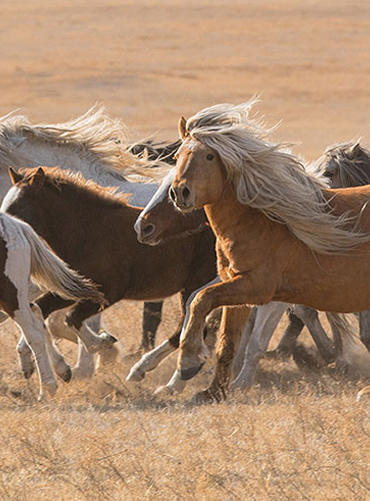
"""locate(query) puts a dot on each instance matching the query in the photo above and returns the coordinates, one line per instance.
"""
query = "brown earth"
(296, 435)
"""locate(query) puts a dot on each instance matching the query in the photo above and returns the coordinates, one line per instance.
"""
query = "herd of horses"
(238, 225)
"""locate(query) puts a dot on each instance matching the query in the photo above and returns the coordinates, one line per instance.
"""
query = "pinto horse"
(24, 256)
(281, 235)
(97, 146)
(92, 229)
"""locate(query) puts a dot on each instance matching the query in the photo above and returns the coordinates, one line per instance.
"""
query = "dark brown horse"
(92, 229)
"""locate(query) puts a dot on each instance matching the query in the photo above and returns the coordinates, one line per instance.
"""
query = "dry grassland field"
(296, 435)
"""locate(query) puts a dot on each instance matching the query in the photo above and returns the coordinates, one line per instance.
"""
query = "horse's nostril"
(185, 192)
(172, 194)
(148, 230)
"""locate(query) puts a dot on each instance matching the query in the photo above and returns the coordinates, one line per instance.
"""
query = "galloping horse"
(92, 229)
(24, 256)
(281, 235)
(98, 147)
(160, 220)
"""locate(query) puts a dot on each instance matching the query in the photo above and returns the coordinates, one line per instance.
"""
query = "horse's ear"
(14, 175)
(38, 178)
(182, 128)
(355, 149)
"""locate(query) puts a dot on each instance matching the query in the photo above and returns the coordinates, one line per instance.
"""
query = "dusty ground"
(296, 435)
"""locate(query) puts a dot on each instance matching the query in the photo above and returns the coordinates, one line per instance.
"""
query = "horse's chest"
(228, 262)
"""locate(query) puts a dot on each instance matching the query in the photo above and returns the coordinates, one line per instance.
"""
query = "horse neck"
(228, 212)
(32, 154)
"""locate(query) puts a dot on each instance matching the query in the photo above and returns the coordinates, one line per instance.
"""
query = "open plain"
(296, 435)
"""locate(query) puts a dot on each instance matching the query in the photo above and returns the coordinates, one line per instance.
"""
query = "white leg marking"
(174, 385)
(267, 319)
(85, 366)
(149, 361)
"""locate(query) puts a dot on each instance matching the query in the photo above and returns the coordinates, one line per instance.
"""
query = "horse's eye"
(209, 156)
(329, 174)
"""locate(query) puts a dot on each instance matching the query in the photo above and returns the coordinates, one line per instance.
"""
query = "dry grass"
(294, 436)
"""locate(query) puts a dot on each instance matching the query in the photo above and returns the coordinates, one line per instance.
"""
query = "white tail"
(345, 330)
(50, 272)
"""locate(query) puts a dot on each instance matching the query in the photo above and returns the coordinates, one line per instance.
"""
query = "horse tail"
(349, 346)
(50, 272)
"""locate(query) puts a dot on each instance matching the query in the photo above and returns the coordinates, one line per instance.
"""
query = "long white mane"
(94, 135)
(269, 178)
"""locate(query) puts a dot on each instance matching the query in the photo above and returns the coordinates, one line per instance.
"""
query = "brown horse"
(92, 229)
(281, 235)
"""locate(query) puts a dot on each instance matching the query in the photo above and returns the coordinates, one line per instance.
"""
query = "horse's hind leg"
(324, 344)
(152, 315)
(75, 319)
(365, 328)
(25, 357)
(62, 369)
(288, 342)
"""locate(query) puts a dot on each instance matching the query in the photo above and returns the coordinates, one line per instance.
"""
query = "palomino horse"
(92, 229)
(159, 221)
(24, 256)
(97, 146)
(281, 235)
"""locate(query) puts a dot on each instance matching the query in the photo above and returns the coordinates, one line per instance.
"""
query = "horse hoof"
(164, 390)
(135, 375)
(28, 372)
(189, 373)
(205, 397)
(67, 376)
(108, 339)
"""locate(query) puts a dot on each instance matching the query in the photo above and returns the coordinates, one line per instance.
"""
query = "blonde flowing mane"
(269, 178)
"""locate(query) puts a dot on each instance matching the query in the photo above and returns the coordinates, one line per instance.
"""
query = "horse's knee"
(305, 313)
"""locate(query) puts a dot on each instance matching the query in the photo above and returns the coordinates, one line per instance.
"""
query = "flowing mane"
(351, 161)
(94, 135)
(86, 191)
(269, 178)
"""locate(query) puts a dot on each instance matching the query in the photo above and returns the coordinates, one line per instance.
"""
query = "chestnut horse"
(92, 229)
(24, 256)
(281, 235)
(159, 221)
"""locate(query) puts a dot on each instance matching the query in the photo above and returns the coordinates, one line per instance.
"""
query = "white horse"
(24, 256)
(94, 145)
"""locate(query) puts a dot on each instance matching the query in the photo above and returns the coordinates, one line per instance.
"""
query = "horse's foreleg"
(232, 325)
(239, 291)
(176, 384)
(33, 330)
(150, 360)
(267, 319)
(152, 315)
(247, 332)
